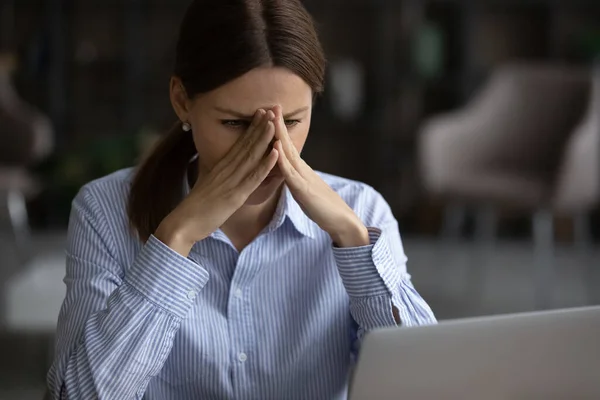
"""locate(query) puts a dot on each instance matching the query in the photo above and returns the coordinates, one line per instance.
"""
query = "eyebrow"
(245, 116)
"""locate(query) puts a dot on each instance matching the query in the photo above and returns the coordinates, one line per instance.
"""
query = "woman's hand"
(318, 201)
(224, 190)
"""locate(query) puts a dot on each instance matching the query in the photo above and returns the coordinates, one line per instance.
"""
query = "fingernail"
(270, 115)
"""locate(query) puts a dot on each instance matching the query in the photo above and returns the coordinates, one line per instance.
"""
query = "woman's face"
(220, 117)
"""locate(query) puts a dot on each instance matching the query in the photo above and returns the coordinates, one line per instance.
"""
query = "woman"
(224, 267)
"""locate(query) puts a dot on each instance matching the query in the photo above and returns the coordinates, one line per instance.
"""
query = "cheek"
(299, 137)
(212, 145)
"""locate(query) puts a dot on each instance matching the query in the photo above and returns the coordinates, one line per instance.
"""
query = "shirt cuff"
(166, 278)
(368, 271)
(373, 312)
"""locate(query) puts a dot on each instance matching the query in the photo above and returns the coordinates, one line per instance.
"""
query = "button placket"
(240, 336)
(239, 293)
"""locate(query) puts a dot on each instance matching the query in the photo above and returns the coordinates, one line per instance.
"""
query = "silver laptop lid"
(546, 355)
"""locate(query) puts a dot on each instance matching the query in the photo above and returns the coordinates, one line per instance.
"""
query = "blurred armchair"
(504, 149)
(25, 138)
(577, 191)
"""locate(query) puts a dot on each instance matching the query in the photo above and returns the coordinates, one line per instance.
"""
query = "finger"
(257, 121)
(258, 174)
(248, 159)
(281, 133)
(251, 138)
(255, 150)
(290, 174)
(258, 125)
(281, 130)
(228, 166)
(239, 153)
(254, 135)
(261, 146)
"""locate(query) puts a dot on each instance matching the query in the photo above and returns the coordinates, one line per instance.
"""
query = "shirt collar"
(287, 208)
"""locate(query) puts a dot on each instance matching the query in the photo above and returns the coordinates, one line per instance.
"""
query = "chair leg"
(454, 220)
(583, 243)
(19, 221)
(486, 225)
(543, 238)
(449, 240)
(485, 238)
(582, 232)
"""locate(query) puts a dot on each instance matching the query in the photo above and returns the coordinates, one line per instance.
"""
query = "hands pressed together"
(248, 163)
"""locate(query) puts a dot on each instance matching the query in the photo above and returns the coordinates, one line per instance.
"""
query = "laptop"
(529, 356)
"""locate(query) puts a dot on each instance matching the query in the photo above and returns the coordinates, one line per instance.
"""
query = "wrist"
(352, 234)
(173, 235)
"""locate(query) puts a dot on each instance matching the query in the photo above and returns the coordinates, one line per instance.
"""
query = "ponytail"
(157, 186)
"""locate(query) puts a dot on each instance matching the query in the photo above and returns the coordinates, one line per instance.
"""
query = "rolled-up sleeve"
(117, 323)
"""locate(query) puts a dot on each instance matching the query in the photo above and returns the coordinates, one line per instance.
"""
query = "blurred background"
(477, 120)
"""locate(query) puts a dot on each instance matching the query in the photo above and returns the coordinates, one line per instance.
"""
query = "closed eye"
(242, 123)
(292, 122)
(236, 123)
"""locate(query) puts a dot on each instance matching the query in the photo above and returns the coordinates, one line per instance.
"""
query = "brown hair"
(220, 40)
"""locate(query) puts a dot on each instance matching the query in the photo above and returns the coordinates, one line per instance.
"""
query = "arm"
(375, 276)
(116, 325)
(373, 270)
(378, 285)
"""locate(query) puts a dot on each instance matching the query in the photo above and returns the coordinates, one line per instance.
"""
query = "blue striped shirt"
(279, 320)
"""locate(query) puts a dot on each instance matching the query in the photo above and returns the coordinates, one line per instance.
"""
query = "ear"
(179, 99)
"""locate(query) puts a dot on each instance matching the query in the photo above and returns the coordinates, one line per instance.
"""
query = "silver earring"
(186, 127)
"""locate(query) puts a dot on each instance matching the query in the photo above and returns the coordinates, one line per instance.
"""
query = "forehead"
(262, 87)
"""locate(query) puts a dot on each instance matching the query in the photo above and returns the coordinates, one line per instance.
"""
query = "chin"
(265, 192)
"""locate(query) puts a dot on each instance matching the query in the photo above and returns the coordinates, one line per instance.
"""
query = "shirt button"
(242, 357)
(239, 293)
(191, 295)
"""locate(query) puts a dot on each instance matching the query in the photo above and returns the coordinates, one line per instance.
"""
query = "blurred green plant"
(428, 51)
(64, 173)
(588, 45)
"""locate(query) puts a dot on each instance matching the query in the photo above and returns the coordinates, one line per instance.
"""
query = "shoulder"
(105, 199)
(110, 190)
(347, 188)
(366, 202)
(99, 218)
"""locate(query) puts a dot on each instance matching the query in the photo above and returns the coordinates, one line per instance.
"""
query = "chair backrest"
(26, 135)
(527, 114)
(578, 182)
